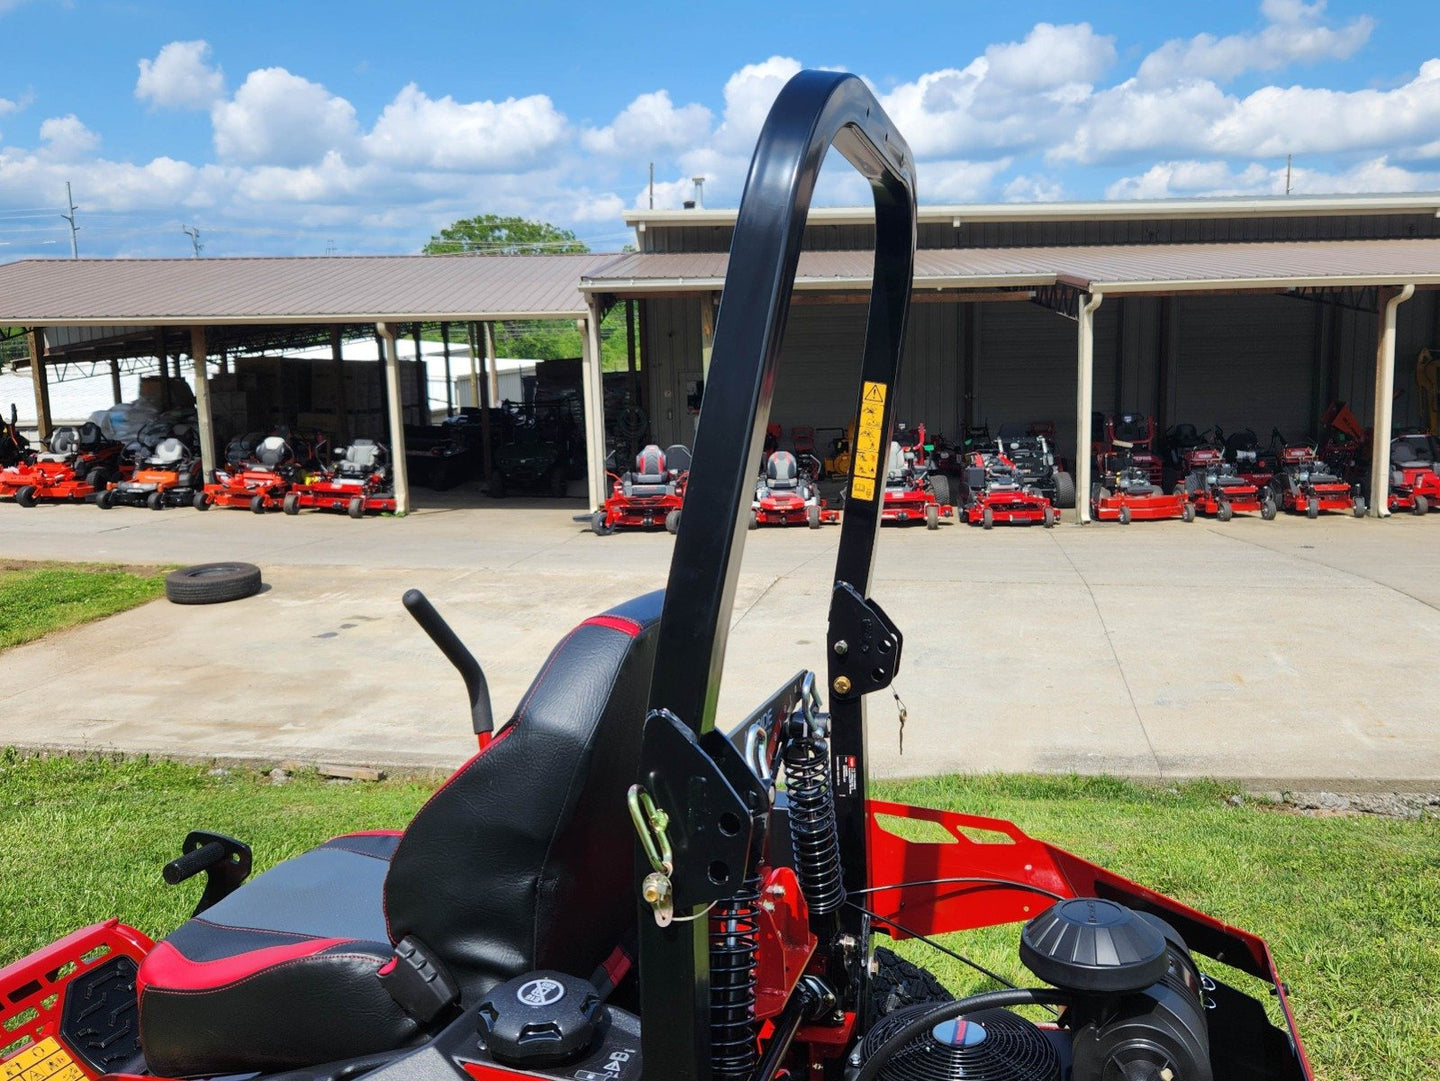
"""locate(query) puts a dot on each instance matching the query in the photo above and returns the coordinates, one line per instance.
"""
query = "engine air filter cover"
(989, 1045)
(1088, 944)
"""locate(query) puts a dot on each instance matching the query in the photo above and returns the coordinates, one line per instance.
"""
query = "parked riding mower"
(994, 491)
(494, 939)
(1032, 451)
(912, 491)
(787, 495)
(79, 461)
(1306, 485)
(650, 495)
(1414, 461)
(359, 484)
(1136, 432)
(168, 475)
(1216, 488)
(1124, 493)
(258, 480)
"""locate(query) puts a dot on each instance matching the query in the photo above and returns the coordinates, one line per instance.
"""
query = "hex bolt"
(842, 647)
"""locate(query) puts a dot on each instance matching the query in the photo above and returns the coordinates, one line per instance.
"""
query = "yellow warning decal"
(44, 1061)
(869, 433)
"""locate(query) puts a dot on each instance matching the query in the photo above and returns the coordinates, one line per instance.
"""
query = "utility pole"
(193, 232)
(1289, 160)
(70, 217)
(652, 185)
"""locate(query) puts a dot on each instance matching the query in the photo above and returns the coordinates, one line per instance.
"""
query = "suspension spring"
(814, 835)
(734, 940)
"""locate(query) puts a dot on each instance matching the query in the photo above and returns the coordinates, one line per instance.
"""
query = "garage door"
(819, 367)
(1026, 369)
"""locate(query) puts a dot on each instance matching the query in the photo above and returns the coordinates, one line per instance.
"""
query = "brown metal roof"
(1148, 268)
(402, 288)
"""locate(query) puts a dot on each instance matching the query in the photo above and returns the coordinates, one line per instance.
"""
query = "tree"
(498, 235)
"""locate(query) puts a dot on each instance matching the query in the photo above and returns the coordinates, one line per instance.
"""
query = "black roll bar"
(815, 111)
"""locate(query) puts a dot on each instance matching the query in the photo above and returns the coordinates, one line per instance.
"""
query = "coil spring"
(813, 834)
(734, 940)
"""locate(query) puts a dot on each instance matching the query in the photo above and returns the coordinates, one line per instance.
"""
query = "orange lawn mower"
(787, 495)
(359, 484)
(169, 474)
(79, 461)
(1124, 493)
(257, 478)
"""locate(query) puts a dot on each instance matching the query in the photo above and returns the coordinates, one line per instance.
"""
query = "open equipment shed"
(115, 308)
(1238, 301)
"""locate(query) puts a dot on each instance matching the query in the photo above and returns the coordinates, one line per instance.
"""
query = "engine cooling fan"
(989, 1045)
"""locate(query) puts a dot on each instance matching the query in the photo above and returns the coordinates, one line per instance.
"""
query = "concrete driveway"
(1276, 652)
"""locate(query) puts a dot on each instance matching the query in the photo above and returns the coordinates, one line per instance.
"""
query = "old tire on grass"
(212, 583)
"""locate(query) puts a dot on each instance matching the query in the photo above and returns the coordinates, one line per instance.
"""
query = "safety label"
(869, 433)
(44, 1061)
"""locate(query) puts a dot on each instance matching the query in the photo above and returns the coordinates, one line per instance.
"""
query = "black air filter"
(1087, 944)
(989, 1045)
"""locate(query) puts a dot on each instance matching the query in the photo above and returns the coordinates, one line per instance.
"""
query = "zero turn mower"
(787, 495)
(1124, 493)
(359, 483)
(79, 461)
(1216, 488)
(650, 495)
(495, 938)
(1136, 432)
(1414, 483)
(1305, 485)
(169, 474)
(994, 492)
(257, 478)
(913, 492)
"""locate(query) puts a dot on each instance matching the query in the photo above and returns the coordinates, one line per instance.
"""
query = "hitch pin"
(650, 823)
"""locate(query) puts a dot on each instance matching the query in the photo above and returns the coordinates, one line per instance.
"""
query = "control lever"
(431, 622)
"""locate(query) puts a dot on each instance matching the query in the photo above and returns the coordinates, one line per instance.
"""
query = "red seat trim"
(615, 623)
(167, 969)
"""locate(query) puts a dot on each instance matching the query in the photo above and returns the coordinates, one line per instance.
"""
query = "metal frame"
(815, 111)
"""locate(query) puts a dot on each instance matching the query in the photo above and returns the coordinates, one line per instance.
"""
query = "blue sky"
(311, 126)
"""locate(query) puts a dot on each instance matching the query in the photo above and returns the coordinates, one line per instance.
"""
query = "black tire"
(1312, 508)
(672, 522)
(100, 479)
(987, 518)
(598, 525)
(257, 505)
(932, 517)
(940, 485)
(212, 583)
(105, 500)
(896, 984)
(1188, 512)
(754, 521)
(1224, 512)
(1124, 515)
(497, 485)
(291, 504)
(1064, 490)
(356, 507)
(155, 501)
(1422, 506)
(1049, 518)
(1268, 509)
(812, 517)
(25, 495)
(1359, 507)
(200, 501)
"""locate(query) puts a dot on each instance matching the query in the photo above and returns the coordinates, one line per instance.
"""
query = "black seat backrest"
(272, 450)
(677, 458)
(781, 470)
(650, 466)
(524, 858)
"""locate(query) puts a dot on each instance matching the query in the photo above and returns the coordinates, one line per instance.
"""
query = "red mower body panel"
(1119, 506)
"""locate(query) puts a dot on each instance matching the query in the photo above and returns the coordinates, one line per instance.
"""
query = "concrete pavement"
(1275, 652)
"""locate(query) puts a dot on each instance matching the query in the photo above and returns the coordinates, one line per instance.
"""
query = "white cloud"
(67, 139)
(421, 132)
(1130, 118)
(1050, 57)
(650, 123)
(1033, 189)
(1179, 179)
(180, 77)
(958, 181)
(749, 93)
(277, 118)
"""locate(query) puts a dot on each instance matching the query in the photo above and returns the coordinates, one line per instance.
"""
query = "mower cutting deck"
(494, 938)
(1124, 493)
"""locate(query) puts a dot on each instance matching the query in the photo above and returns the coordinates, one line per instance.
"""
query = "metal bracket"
(864, 645)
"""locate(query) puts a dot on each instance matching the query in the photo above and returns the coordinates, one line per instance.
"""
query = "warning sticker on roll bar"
(869, 433)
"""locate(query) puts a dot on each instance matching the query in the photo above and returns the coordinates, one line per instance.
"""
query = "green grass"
(38, 599)
(1350, 906)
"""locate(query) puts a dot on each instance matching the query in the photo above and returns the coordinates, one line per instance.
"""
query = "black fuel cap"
(539, 1019)
(1088, 944)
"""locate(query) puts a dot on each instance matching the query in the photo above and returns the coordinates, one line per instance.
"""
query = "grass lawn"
(1349, 905)
(37, 598)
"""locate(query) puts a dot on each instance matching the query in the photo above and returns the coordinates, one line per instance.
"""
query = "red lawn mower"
(787, 495)
(613, 889)
(79, 461)
(651, 495)
(359, 484)
(1414, 483)
(912, 491)
(1253, 463)
(993, 491)
(1215, 488)
(257, 475)
(1124, 493)
(1305, 485)
(1136, 433)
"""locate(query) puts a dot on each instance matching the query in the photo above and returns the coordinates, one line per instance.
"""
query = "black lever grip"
(193, 862)
(431, 622)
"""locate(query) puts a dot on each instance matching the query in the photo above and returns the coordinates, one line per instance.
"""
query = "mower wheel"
(812, 516)
(940, 487)
(257, 505)
(987, 518)
(25, 496)
(1312, 508)
(200, 502)
(1049, 517)
(356, 508)
(155, 501)
(212, 583)
(1064, 490)
(105, 500)
(672, 522)
(1421, 507)
(1267, 509)
(1359, 507)
(291, 504)
(932, 517)
(1124, 515)
(1187, 512)
(754, 521)
(599, 526)
(1224, 512)
(895, 983)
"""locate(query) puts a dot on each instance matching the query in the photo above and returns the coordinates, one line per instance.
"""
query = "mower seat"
(895, 466)
(650, 476)
(362, 458)
(492, 876)
(168, 452)
(272, 450)
(781, 471)
(64, 445)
